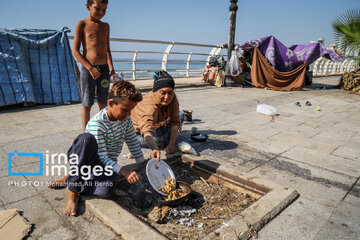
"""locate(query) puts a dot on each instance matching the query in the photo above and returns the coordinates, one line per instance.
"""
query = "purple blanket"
(286, 59)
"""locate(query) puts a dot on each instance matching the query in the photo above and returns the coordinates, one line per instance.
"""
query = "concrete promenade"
(314, 152)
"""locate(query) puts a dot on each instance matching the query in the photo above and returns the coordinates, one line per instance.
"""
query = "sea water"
(145, 72)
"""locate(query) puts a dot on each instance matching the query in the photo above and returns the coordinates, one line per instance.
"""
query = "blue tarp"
(36, 66)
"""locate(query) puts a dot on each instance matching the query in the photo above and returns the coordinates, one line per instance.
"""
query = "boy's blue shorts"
(88, 85)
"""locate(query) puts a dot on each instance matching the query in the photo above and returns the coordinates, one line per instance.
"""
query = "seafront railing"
(185, 56)
(321, 67)
(326, 67)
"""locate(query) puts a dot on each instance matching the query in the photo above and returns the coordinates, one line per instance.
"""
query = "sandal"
(297, 104)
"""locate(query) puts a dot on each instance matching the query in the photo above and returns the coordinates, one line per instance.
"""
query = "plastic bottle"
(265, 109)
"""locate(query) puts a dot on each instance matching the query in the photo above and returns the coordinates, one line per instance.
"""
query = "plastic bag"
(187, 148)
(234, 65)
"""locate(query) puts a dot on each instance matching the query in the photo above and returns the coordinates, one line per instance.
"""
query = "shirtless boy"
(96, 61)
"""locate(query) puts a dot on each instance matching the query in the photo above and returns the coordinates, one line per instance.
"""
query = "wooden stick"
(205, 181)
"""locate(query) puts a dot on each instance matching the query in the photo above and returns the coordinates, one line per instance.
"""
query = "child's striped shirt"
(110, 136)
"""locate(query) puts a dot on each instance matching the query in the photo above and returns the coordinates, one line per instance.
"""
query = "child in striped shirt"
(98, 148)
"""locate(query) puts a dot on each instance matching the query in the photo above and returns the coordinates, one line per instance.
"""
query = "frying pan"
(199, 137)
(185, 188)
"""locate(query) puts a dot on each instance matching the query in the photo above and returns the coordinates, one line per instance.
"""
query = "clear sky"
(196, 21)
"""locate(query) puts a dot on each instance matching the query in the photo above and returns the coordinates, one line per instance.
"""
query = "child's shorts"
(88, 85)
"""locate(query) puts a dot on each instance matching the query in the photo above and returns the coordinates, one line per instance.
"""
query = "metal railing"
(215, 50)
(326, 67)
(321, 67)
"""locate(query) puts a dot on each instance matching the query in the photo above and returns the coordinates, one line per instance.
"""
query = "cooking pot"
(199, 137)
(185, 188)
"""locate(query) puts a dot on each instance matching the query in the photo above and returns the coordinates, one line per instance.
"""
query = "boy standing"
(96, 61)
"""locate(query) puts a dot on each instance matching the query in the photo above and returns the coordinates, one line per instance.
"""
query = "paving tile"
(55, 143)
(340, 135)
(28, 167)
(60, 112)
(3, 159)
(40, 183)
(261, 144)
(60, 233)
(14, 133)
(317, 144)
(15, 188)
(356, 190)
(23, 117)
(263, 132)
(293, 139)
(310, 124)
(326, 161)
(300, 178)
(356, 136)
(84, 223)
(354, 117)
(301, 220)
(39, 212)
(349, 150)
(349, 124)
(6, 120)
(317, 174)
(270, 146)
(301, 114)
(72, 123)
(57, 199)
(43, 128)
(4, 172)
(344, 223)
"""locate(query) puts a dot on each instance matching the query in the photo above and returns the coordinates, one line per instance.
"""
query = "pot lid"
(157, 172)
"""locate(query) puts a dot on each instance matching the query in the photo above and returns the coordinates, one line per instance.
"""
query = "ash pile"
(180, 215)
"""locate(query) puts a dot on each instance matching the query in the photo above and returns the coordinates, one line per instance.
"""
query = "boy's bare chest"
(95, 31)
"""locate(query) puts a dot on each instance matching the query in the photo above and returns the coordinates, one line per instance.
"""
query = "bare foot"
(71, 203)
(58, 183)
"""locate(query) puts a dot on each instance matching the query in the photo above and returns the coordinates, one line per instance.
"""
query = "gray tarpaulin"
(36, 66)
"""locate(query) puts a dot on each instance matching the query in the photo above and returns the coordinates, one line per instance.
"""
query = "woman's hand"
(155, 154)
(170, 148)
(131, 176)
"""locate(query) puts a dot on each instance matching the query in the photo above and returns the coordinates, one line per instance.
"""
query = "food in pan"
(170, 189)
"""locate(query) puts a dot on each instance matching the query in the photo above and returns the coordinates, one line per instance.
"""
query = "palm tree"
(347, 31)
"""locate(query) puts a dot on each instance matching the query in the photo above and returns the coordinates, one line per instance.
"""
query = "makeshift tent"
(280, 68)
(36, 66)
(264, 75)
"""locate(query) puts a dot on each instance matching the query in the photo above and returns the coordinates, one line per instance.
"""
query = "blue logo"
(16, 153)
